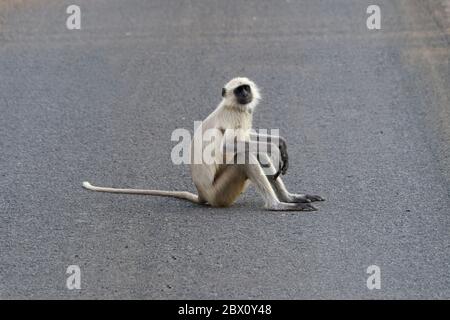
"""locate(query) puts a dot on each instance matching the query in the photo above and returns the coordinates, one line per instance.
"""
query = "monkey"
(219, 183)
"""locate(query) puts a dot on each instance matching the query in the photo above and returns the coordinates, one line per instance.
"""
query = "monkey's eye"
(246, 88)
(224, 92)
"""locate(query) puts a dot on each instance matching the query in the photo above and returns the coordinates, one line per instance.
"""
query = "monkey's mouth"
(245, 100)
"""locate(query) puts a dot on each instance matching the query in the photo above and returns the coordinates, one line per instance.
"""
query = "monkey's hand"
(284, 159)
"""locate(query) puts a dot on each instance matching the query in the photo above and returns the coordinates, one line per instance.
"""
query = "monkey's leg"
(271, 202)
(280, 189)
(227, 186)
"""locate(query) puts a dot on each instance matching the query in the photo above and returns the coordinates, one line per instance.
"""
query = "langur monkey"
(220, 183)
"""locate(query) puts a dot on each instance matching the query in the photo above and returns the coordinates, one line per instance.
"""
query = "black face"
(243, 94)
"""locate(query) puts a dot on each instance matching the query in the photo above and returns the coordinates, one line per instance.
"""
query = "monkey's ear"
(223, 92)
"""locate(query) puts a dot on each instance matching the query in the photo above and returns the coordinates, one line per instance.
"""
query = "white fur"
(221, 184)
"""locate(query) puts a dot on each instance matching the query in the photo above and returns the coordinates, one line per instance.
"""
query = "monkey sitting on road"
(220, 183)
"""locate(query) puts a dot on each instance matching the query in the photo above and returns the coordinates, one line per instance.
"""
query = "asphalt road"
(366, 114)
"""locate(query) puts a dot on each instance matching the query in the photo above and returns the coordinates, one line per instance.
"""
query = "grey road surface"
(366, 114)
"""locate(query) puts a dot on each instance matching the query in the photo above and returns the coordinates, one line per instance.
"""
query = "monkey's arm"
(235, 146)
(280, 142)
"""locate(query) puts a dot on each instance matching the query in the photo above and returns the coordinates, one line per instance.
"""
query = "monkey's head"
(241, 93)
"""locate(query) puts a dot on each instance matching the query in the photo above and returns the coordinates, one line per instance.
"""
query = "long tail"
(176, 194)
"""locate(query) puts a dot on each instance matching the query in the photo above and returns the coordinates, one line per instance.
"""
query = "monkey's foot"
(284, 206)
(313, 197)
(298, 198)
(304, 198)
